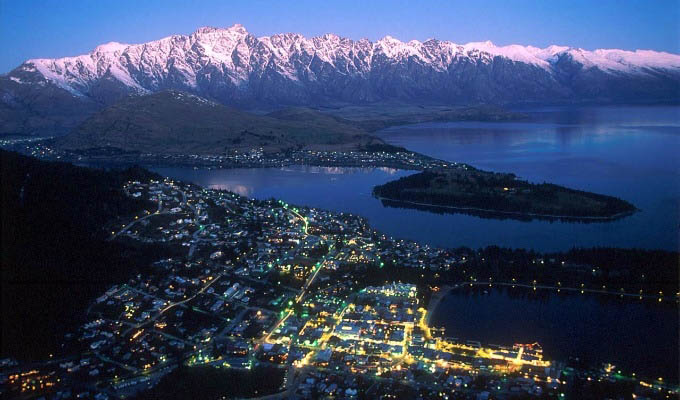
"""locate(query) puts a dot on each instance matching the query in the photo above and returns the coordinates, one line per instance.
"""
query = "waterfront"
(627, 152)
(245, 284)
(624, 152)
(595, 328)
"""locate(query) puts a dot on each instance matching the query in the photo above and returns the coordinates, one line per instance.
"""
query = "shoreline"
(527, 214)
(305, 158)
(437, 298)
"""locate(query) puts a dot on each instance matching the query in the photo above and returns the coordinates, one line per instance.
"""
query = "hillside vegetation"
(475, 190)
(177, 122)
(55, 257)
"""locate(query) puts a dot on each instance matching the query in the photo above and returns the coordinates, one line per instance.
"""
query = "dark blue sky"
(50, 28)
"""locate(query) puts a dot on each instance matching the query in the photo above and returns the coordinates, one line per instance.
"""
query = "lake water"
(594, 328)
(628, 152)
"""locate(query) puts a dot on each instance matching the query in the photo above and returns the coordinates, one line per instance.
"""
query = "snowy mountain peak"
(390, 39)
(232, 66)
(236, 28)
(487, 44)
(110, 47)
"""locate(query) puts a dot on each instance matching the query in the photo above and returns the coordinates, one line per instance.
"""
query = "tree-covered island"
(466, 189)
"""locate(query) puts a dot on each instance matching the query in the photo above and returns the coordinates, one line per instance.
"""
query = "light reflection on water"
(235, 188)
(595, 328)
(628, 152)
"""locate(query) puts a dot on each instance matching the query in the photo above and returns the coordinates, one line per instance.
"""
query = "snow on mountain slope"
(234, 58)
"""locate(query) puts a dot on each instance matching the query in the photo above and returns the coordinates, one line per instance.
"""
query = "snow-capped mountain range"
(232, 66)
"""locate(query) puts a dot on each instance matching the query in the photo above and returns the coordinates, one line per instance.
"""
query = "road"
(304, 220)
(131, 224)
(298, 299)
(568, 289)
(142, 324)
(195, 240)
(194, 237)
(128, 226)
(172, 305)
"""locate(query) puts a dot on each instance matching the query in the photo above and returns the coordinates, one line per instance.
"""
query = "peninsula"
(466, 189)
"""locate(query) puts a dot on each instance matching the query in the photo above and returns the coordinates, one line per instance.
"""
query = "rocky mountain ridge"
(233, 67)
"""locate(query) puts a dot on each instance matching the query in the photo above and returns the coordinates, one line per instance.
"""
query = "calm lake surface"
(628, 152)
(636, 336)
